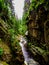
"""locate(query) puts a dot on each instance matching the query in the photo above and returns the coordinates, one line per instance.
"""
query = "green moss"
(3, 63)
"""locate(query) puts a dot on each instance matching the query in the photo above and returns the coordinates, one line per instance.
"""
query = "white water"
(28, 59)
(18, 7)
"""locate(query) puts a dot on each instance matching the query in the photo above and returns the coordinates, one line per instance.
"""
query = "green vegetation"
(1, 51)
(36, 3)
(38, 10)
(11, 28)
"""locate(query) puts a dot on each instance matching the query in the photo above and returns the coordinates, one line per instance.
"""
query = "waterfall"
(18, 7)
(28, 59)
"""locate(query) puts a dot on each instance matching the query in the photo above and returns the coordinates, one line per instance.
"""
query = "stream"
(27, 58)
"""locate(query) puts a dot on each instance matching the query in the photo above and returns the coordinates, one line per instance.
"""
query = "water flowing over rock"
(27, 57)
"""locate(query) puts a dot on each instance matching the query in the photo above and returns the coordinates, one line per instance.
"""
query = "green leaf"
(1, 51)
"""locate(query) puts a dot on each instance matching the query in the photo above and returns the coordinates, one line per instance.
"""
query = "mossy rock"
(3, 63)
(6, 55)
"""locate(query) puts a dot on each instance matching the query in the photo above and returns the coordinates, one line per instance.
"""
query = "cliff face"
(37, 24)
(38, 31)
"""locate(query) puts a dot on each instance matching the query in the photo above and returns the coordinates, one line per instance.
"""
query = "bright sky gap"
(18, 7)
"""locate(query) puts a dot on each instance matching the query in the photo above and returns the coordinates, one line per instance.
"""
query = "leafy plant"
(22, 29)
(35, 3)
